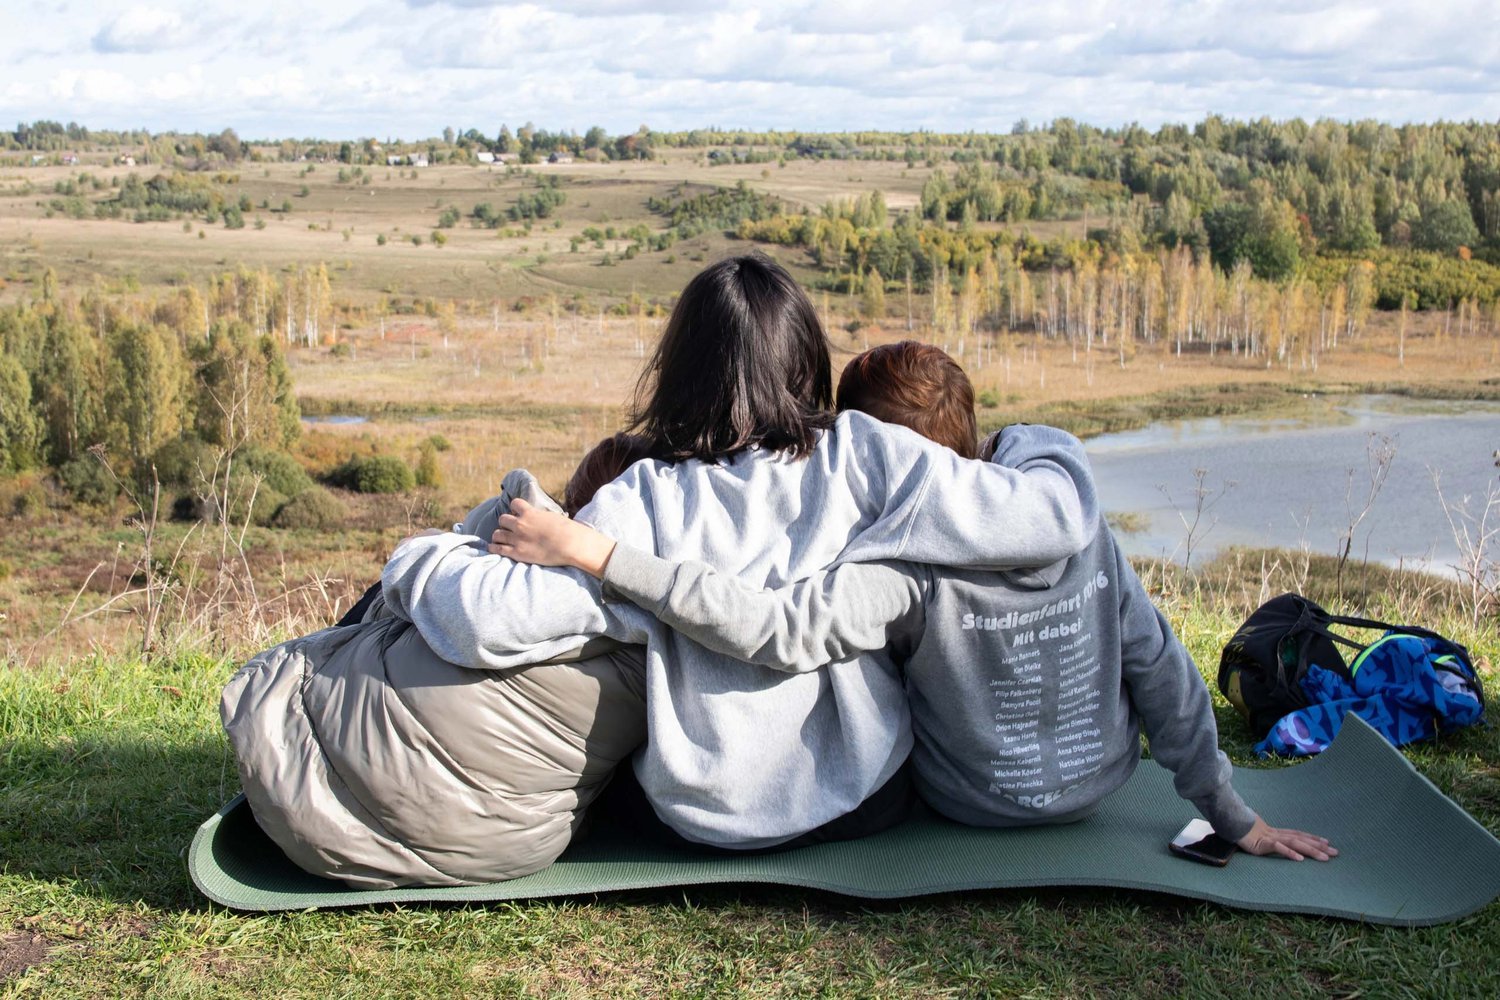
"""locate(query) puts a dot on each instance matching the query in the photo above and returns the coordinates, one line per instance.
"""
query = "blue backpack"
(1410, 685)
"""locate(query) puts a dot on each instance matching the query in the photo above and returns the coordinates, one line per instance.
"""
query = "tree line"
(150, 387)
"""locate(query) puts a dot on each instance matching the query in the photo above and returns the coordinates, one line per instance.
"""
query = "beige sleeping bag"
(367, 758)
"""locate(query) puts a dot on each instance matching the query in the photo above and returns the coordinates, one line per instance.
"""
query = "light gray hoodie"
(1027, 688)
(737, 755)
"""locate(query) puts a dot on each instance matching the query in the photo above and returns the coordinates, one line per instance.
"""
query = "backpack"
(1263, 667)
(1408, 687)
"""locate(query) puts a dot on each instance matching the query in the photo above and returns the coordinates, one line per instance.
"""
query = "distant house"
(395, 161)
(560, 157)
(417, 159)
(127, 160)
(507, 157)
(37, 158)
(484, 156)
(70, 159)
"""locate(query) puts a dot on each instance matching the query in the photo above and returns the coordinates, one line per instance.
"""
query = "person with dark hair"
(751, 473)
(1028, 689)
(743, 362)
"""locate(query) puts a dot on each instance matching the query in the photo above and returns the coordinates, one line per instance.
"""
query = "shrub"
(182, 462)
(259, 500)
(989, 399)
(23, 496)
(312, 509)
(428, 472)
(439, 442)
(86, 479)
(374, 474)
(280, 471)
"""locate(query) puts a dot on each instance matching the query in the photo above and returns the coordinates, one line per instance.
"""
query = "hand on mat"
(529, 534)
(1265, 839)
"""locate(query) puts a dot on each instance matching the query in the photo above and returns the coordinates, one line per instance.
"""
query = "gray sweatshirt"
(737, 755)
(1025, 687)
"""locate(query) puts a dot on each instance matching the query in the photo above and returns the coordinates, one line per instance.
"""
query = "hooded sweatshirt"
(739, 756)
(1027, 689)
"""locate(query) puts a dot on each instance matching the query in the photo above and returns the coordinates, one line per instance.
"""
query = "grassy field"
(107, 766)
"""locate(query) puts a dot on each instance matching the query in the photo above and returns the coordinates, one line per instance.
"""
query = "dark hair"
(604, 462)
(743, 361)
(917, 386)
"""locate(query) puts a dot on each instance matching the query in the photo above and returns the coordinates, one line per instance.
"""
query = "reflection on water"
(336, 418)
(1300, 479)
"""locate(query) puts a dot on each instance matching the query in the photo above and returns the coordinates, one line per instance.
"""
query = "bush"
(428, 472)
(182, 462)
(86, 479)
(260, 501)
(24, 496)
(279, 470)
(313, 509)
(374, 474)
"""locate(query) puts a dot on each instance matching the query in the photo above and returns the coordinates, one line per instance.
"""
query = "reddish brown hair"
(604, 462)
(917, 386)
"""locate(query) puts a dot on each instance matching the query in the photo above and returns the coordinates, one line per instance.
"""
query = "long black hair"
(743, 361)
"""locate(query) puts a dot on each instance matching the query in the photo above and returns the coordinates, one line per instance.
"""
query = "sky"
(341, 69)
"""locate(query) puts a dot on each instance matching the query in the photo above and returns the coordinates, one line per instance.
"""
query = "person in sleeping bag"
(368, 758)
(752, 472)
(1028, 688)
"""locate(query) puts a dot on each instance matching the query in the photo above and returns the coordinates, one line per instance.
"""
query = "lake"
(1300, 479)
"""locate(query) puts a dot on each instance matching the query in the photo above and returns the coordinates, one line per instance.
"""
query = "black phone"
(1198, 842)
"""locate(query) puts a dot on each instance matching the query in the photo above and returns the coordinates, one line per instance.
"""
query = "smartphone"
(1198, 842)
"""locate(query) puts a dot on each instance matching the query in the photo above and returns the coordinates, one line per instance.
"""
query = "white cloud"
(143, 29)
(95, 86)
(176, 85)
(362, 67)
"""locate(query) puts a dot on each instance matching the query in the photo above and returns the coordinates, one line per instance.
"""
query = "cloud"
(144, 29)
(345, 68)
(587, 8)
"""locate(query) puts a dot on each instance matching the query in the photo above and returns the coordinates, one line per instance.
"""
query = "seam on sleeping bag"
(368, 818)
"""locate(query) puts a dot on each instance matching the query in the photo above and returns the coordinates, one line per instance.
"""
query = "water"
(1297, 480)
(336, 418)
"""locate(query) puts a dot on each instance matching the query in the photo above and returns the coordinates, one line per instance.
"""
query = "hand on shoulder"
(531, 535)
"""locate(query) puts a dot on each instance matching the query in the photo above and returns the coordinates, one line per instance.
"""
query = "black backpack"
(1262, 665)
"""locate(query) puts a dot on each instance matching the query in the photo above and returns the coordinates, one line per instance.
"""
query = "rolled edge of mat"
(200, 856)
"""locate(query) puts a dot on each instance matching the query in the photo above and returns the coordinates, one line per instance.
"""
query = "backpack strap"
(1321, 629)
(1366, 623)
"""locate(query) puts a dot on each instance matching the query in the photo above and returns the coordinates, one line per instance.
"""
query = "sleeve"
(1176, 709)
(486, 611)
(821, 619)
(1032, 504)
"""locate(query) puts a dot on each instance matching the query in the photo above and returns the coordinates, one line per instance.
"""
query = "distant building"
(127, 160)
(417, 159)
(560, 157)
(484, 156)
(507, 157)
(395, 161)
(70, 159)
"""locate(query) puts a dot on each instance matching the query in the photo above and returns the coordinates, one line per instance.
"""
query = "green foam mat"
(1408, 855)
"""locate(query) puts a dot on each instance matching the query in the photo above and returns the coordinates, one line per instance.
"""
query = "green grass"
(107, 766)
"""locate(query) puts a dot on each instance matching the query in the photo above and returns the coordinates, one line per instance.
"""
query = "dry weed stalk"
(1475, 524)
(1380, 452)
